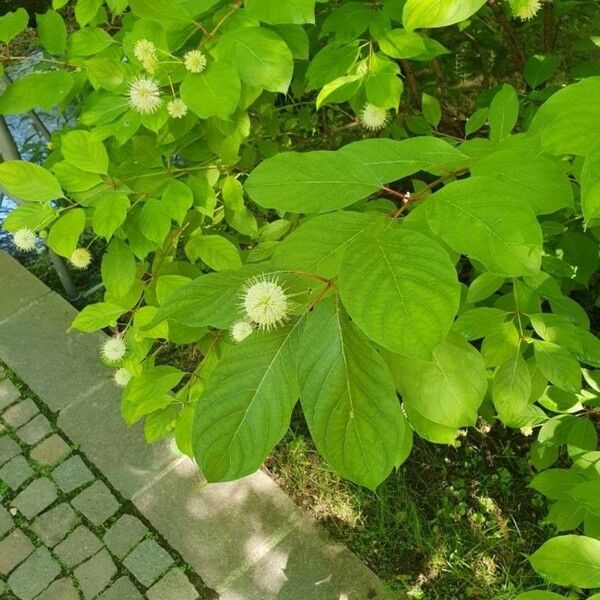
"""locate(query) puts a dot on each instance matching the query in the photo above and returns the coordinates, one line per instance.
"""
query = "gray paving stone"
(53, 525)
(37, 496)
(34, 575)
(96, 503)
(61, 371)
(80, 544)
(72, 474)
(34, 431)
(8, 393)
(20, 413)
(95, 574)
(51, 451)
(19, 290)
(2, 587)
(120, 452)
(121, 589)
(61, 589)
(173, 586)
(148, 561)
(16, 472)
(8, 449)
(14, 549)
(6, 521)
(124, 535)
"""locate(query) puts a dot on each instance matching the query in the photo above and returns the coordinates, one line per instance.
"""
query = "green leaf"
(177, 199)
(511, 391)
(400, 287)
(329, 63)
(535, 180)
(587, 494)
(52, 32)
(148, 392)
(12, 24)
(65, 232)
(73, 179)
(26, 181)
(568, 122)
(318, 181)
(432, 111)
(438, 13)
(261, 57)
(540, 595)
(500, 345)
(569, 560)
(215, 251)
(118, 268)
(97, 316)
(85, 11)
(400, 43)
(29, 216)
(558, 365)
(318, 245)
(504, 112)
(348, 397)
(383, 85)
(339, 90)
(158, 425)
(479, 218)
(391, 160)
(590, 187)
(37, 90)
(85, 151)
(483, 287)
(276, 12)
(479, 322)
(443, 394)
(539, 68)
(556, 483)
(213, 93)
(88, 41)
(160, 10)
(154, 222)
(110, 213)
(247, 405)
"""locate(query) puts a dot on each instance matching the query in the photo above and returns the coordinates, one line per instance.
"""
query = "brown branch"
(515, 43)
(413, 86)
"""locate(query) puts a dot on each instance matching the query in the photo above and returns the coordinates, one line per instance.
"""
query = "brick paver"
(173, 586)
(53, 525)
(51, 451)
(20, 413)
(147, 562)
(96, 503)
(95, 574)
(124, 535)
(16, 472)
(8, 393)
(72, 474)
(34, 431)
(77, 547)
(34, 575)
(37, 496)
(14, 549)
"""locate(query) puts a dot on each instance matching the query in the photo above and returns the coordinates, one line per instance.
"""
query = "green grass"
(452, 523)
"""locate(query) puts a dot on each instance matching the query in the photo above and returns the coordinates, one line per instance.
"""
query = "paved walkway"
(245, 540)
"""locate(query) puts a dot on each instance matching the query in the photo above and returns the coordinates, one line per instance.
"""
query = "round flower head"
(177, 108)
(122, 377)
(265, 303)
(241, 330)
(194, 61)
(81, 258)
(373, 117)
(144, 95)
(145, 51)
(24, 239)
(526, 9)
(113, 349)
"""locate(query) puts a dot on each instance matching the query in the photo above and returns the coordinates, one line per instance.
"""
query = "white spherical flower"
(241, 330)
(144, 50)
(24, 239)
(373, 117)
(122, 377)
(194, 61)
(177, 108)
(527, 430)
(265, 303)
(144, 95)
(526, 9)
(81, 258)
(113, 349)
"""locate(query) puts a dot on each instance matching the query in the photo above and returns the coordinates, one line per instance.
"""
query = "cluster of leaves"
(428, 279)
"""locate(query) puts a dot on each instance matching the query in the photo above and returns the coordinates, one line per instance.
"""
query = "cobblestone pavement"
(65, 534)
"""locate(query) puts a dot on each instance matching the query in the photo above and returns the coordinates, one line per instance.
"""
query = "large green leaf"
(52, 32)
(318, 181)
(479, 218)
(511, 391)
(391, 160)
(317, 246)
(558, 365)
(535, 180)
(400, 287)
(587, 494)
(569, 560)
(110, 212)
(329, 63)
(215, 251)
(247, 405)
(27, 181)
(37, 90)
(97, 316)
(590, 187)
(85, 151)
(568, 122)
(160, 10)
(540, 595)
(348, 397)
(276, 12)
(65, 232)
(12, 24)
(443, 394)
(261, 57)
(118, 268)
(213, 93)
(438, 13)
